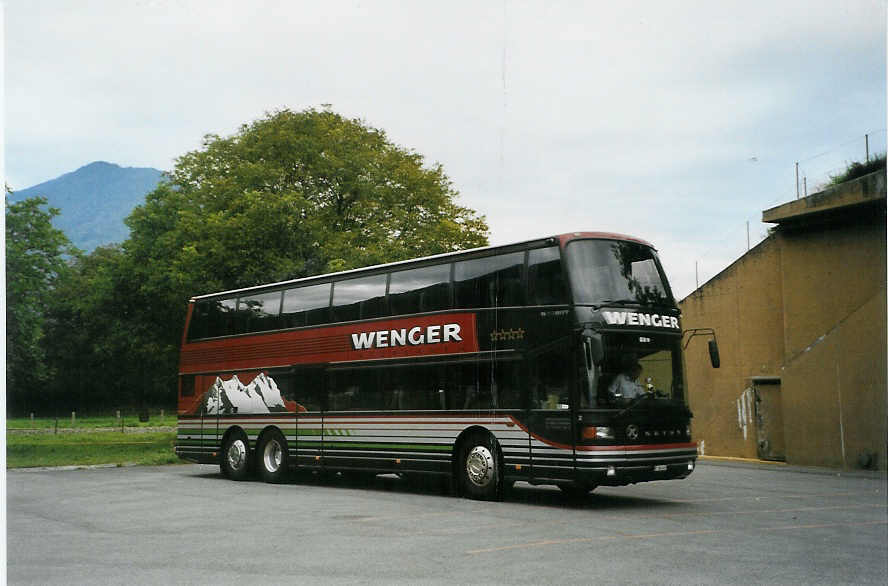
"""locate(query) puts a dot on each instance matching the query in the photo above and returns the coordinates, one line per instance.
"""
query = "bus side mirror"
(713, 354)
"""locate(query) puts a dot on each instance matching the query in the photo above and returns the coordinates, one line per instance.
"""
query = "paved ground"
(726, 524)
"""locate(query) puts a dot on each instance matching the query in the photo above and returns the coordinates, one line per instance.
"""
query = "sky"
(677, 122)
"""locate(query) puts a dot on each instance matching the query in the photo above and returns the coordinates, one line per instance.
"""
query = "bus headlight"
(590, 433)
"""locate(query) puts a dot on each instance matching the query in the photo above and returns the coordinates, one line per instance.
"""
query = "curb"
(784, 467)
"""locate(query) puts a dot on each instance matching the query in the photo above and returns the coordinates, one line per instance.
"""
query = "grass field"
(89, 448)
(89, 440)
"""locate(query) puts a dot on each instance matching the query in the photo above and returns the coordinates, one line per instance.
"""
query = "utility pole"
(747, 235)
(797, 180)
(805, 181)
(866, 139)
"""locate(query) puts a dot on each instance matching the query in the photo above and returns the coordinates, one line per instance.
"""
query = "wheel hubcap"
(479, 466)
(237, 454)
(272, 456)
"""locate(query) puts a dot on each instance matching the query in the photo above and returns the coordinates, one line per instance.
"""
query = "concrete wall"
(807, 307)
(834, 365)
(744, 305)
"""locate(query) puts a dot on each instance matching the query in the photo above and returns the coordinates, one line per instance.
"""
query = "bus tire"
(236, 456)
(272, 457)
(480, 477)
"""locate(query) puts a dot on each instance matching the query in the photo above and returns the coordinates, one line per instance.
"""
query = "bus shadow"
(551, 496)
(521, 493)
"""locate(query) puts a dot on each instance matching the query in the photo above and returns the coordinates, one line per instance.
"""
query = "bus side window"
(223, 323)
(492, 281)
(422, 289)
(508, 384)
(545, 279)
(306, 306)
(359, 298)
(355, 390)
(260, 312)
(200, 318)
(549, 379)
(302, 389)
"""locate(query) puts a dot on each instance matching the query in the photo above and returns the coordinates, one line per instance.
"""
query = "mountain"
(94, 200)
(261, 395)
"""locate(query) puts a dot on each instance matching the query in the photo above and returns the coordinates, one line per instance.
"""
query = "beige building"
(801, 327)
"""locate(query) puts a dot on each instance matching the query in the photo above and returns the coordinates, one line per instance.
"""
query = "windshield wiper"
(619, 302)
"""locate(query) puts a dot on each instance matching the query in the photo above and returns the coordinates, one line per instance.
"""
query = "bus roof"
(561, 239)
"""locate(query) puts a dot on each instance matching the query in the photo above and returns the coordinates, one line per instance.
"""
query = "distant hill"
(94, 200)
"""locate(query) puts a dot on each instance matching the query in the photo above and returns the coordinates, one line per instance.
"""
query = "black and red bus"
(552, 361)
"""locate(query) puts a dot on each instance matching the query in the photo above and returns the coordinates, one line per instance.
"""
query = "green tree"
(101, 343)
(35, 258)
(290, 195)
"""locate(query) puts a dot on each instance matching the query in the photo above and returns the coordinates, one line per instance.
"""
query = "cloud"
(639, 117)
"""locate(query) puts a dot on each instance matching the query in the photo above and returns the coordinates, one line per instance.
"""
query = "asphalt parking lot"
(728, 523)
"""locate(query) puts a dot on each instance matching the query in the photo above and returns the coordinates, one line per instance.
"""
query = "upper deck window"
(359, 298)
(545, 279)
(260, 311)
(418, 290)
(212, 318)
(615, 272)
(493, 281)
(306, 306)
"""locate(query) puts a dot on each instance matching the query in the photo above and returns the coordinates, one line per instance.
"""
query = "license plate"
(660, 468)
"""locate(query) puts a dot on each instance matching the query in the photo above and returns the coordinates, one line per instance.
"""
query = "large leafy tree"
(289, 195)
(35, 258)
(292, 194)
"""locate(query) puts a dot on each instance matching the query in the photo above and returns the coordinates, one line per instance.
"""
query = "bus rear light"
(590, 433)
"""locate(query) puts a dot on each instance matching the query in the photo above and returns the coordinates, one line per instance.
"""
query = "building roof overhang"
(865, 191)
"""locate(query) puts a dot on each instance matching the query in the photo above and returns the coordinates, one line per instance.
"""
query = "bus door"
(552, 412)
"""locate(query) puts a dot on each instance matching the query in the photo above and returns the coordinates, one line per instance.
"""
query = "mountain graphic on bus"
(261, 395)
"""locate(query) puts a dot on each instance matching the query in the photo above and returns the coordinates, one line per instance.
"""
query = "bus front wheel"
(272, 454)
(236, 457)
(479, 472)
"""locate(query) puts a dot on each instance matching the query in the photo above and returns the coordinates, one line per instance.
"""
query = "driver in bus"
(625, 385)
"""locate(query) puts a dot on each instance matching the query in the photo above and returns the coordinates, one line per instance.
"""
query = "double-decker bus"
(552, 361)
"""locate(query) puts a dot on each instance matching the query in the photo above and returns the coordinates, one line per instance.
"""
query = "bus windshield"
(636, 366)
(616, 272)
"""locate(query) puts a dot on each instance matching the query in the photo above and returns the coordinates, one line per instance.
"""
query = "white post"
(73, 417)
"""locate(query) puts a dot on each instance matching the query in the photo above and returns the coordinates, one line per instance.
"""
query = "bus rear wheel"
(479, 474)
(236, 457)
(273, 457)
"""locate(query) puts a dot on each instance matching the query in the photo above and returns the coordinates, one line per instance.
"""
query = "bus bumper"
(631, 473)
